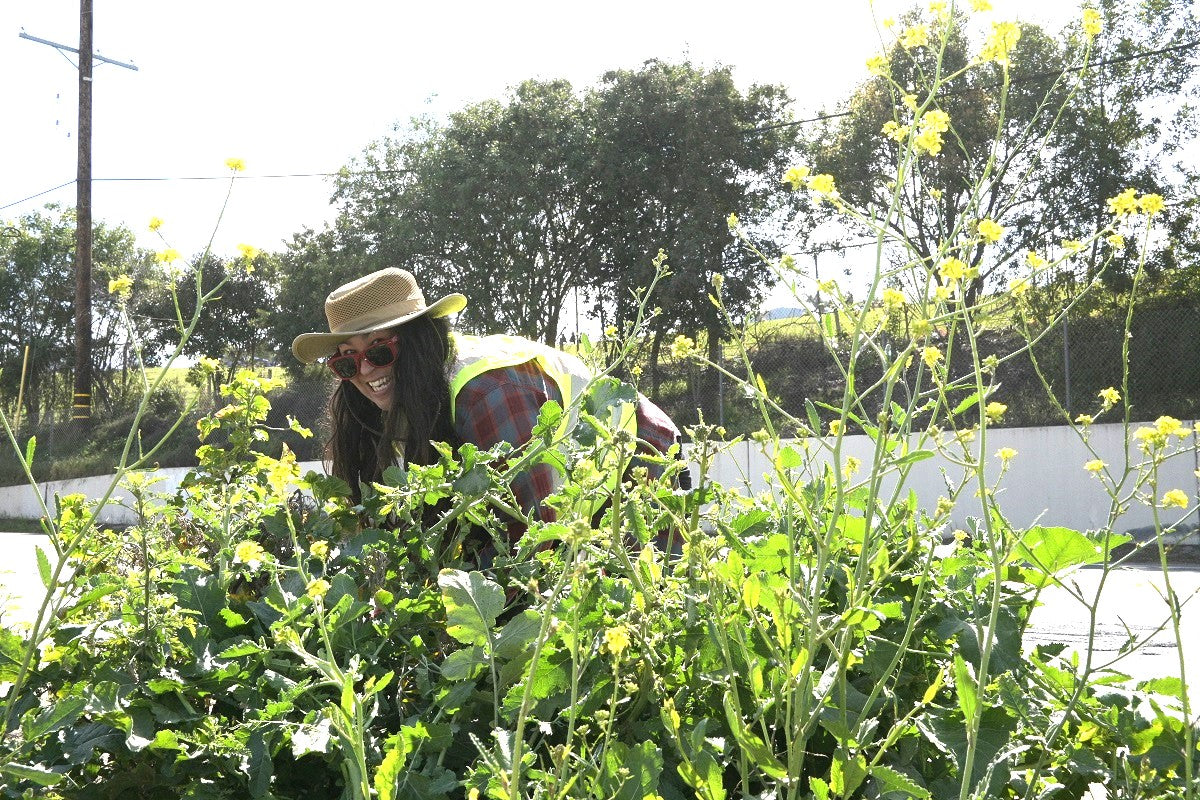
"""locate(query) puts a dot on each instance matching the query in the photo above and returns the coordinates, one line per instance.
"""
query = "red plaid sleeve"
(502, 405)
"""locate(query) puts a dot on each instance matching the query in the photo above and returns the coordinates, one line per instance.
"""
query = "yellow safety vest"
(480, 354)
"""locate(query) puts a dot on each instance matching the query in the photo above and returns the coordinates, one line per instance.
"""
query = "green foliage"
(243, 643)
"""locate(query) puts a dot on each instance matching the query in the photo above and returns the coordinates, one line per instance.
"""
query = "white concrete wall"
(1046, 483)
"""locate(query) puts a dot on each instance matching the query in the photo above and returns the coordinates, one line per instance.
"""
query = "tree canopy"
(1036, 142)
(518, 202)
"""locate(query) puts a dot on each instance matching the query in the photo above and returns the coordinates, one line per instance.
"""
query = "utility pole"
(81, 404)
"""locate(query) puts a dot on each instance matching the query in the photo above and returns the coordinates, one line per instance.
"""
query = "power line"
(209, 178)
(1031, 78)
(39, 194)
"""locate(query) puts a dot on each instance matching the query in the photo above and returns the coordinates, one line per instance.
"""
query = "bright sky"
(300, 87)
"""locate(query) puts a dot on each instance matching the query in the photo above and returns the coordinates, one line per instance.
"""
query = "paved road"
(1130, 601)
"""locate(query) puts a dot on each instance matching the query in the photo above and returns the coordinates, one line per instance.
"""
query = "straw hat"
(383, 299)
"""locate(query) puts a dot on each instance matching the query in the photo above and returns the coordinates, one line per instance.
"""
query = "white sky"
(302, 86)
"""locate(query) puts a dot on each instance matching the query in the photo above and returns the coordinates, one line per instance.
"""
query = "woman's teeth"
(379, 383)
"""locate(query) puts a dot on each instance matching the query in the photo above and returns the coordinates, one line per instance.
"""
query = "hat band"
(378, 317)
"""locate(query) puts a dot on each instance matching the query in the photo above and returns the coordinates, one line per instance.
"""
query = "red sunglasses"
(380, 354)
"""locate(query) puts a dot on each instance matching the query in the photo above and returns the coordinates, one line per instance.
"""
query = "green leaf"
(890, 780)
(846, 775)
(243, 648)
(260, 765)
(12, 650)
(1055, 549)
(518, 634)
(1172, 687)
(967, 402)
(165, 740)
(30, 449)
(789, 458)
(27, 772)
(914, 457)
(43, 563)
(232, 618)
(964, 688)
(472, 604)
(465, 664)
(753, 746)
(389, 771)
(59, 715)
(814, 421)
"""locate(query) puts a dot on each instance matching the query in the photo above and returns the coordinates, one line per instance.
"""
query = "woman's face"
(374, 382)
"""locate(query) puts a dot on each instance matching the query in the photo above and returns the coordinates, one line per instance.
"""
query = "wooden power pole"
(81, 404)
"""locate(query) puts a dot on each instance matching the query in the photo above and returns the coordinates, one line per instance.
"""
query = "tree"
(37, 304)
(1068, 138)
(492, 204)
(234, 327)
(679, 149)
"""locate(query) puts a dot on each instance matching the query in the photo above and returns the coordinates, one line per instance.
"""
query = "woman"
(407, 380)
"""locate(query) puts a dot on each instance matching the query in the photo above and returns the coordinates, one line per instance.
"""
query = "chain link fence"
(1059, 376)
(800, 360)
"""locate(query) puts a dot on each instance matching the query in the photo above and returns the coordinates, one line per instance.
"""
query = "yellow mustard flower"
(319, 549)
(852, 466)
(155, 223)
(931, 356)
(889, 22)
(1085, 419)
(1006, 454)
(616, 639)
(909, 101)
(942, 293)
(930, 128)
(895, 131)
(877, 65)
(1034, 259)
(893, 300)
(732, 220)
(1072, 246)
(1116, 240)
(168, 256)
(1124, 203)
(121, 286)
(1109, 397)
(249, 552)
(235, 164)
(981, 5)
(1019, 287)
(1095, 465)
(318, 587)
(990, 230)
(1151, 204)
(1091, 22)
(835, 427)
(248, 251)
(822, 184)
(1175, 497)
(995, 411)
(796, 177)
(922, 327)
(683, 347)
(1169, 426)
(1001, 42)
(915, 36)
(952, 270)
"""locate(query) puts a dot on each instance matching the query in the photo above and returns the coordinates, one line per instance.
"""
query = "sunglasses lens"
(380, 355)
(344, 367)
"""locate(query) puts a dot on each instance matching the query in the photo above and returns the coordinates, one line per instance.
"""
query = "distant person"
(407, 379)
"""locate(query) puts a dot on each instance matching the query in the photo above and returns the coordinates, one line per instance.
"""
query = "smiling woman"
(408, 381)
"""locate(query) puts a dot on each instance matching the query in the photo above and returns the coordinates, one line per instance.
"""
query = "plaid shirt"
(502, 405)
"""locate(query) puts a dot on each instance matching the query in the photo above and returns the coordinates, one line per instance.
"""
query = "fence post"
(1067, 365)
(721, 398)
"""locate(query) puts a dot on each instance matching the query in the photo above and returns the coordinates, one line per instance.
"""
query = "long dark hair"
(363, 440)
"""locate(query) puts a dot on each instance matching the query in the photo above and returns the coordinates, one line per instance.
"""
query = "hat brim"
(310, 347)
